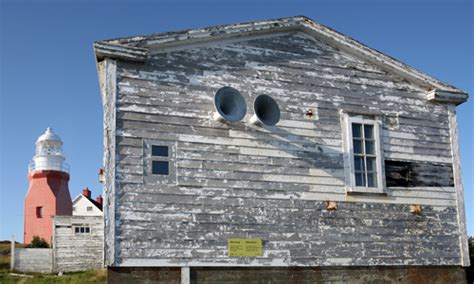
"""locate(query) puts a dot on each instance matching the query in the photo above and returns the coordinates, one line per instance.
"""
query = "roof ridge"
(96, 204)
(124, 40)
(136, 48)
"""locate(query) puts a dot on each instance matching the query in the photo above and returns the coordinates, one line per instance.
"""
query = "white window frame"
(81, 226)
(376, 121)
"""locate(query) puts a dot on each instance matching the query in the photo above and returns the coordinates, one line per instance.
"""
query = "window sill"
(365, 190)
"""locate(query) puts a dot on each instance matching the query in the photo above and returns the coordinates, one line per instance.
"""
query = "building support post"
(185, 275)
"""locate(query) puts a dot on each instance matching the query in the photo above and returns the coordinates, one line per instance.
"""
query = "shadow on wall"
(308, 153)
(230, 106)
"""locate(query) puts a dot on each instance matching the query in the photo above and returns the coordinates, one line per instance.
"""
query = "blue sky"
(48, 75)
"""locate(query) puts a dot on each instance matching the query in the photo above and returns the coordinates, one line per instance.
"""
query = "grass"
(89, 276)
(5, 254)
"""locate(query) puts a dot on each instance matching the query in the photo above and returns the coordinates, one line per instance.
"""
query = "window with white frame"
(81, 229)
(363, 155)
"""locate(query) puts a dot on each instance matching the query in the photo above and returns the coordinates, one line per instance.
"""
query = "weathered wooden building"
(349, 171)
(77, 245)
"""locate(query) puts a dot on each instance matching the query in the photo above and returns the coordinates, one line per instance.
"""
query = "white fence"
(32, 260)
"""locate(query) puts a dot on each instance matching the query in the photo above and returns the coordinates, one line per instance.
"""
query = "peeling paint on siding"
(238, 181)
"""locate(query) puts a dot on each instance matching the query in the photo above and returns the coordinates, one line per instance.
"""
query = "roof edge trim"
(378, 58)
(126, 48)
(119, 51)
(441, 96)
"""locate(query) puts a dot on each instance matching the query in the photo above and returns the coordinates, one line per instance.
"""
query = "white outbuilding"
(84, 205)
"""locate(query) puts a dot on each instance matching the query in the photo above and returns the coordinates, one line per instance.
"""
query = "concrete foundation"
(290, 275)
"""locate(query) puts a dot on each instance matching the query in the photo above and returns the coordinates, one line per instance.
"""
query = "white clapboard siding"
(77, 252)
(239, 180)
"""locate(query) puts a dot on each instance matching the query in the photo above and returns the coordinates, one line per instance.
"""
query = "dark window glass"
(87, 229)
(371, 166)
(359, 163)
(160, 168)
(159, 151)
(369, 147)
(372, 179)
(76, 230)
(368, 131)
(357, 130)
(39, 212)
(358, 146)
(360, 179)
(365, 168)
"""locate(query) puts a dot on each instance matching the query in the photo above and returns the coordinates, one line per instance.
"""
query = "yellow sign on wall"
(244, 247)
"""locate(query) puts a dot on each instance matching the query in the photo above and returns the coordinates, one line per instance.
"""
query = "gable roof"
(95, 203)
(137, 49)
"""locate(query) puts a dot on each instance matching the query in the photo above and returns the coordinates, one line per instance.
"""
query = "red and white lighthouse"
(48, 193)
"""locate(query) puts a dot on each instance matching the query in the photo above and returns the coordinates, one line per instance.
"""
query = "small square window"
(89, 208)
(81, 229)
(160, 168)
(39, 212)
(159, 151)
(160, 162)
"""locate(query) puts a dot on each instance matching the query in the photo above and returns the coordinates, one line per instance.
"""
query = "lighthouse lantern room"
(49, 153)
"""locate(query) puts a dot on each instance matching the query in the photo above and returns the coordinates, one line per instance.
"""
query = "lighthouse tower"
(48, 193)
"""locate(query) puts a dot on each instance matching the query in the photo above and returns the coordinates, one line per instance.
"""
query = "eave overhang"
(140, 47)
(119, 51)
(442, 96)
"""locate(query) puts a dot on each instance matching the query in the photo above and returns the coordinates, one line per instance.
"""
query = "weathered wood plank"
(77, 252)
(458, 186)
(238, 180)
(409, 174)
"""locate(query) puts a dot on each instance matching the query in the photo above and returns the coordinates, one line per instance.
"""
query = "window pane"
(358, 146)
(360, 179)
(356, 130)
(371, 166)
(87, 229)
(82, 229)
(369, 147)
(76, 230)
(368, 131)
(372, 179)
(160, 168)
(160, 151)
(359, 163)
